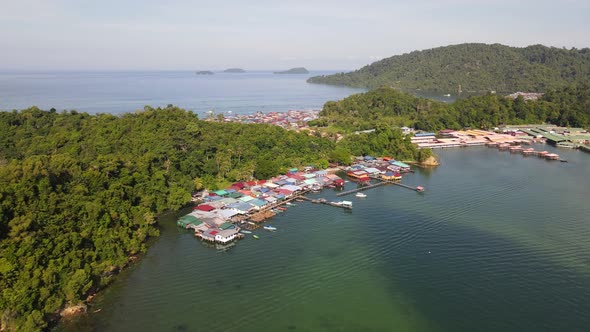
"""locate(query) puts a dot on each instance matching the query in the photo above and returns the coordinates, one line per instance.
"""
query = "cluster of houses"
(461, 138)
(385, 168)
(294, 119)
(213, 220)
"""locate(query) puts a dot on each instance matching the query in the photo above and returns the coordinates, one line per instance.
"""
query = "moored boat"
(361, 195)
(255, 236)
(245, 232)
(270, 228)
(419, 189)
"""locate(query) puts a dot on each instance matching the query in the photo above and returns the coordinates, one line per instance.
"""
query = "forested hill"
(79, 193)
(386, 106)
(475, 68)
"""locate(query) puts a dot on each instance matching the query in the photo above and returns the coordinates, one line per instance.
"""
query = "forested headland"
(79, 193)
(473, 68)
(388, 107)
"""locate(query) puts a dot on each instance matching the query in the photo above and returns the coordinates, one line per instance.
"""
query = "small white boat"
(447, 95)
(361, 195)
(270, 228)
(245, 232)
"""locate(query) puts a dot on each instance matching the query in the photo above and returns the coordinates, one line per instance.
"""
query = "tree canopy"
(473, 68)
(385, 106)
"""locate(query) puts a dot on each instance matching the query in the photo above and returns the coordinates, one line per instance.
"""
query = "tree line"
(472, 68)
(386, 106)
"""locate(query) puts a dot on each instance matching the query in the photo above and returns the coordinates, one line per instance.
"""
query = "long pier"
(405, 186)
(352, 191)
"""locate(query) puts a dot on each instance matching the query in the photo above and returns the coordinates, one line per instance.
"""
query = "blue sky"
(190, 35)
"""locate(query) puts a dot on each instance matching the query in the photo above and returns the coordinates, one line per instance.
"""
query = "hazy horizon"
(327, 35)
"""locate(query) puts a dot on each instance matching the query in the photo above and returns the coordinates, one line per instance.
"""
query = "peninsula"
(234, 70)
(472, 68)
(297, 70)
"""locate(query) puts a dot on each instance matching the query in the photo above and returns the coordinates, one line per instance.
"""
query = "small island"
(234, 70)
(297, 70)
(204, 72)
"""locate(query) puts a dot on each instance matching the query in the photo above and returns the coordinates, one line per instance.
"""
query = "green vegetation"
(297, 70)
(79, 193)
(475, 68)
(388, 107)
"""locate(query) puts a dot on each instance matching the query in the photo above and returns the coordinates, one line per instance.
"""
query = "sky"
(271, 35)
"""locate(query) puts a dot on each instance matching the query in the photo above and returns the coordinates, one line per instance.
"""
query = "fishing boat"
(361, 195)
(245, 232)
(255, 236)
(270, 228)
(298, 200)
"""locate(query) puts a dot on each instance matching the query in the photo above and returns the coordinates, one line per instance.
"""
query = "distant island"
(297, 70)
(472, 68)
(204, 72)
(234, 70)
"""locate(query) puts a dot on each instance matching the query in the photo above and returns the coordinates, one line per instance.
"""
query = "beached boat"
(361, 195)
(255, 236)
(270, 228)
(245, 232)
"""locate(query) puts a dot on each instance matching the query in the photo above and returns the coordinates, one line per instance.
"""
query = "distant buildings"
(526, 95)
(293, 119)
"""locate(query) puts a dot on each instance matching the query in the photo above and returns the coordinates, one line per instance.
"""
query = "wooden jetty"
(352, 191)
(406, 186)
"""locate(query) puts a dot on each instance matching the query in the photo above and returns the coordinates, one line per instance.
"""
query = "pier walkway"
(352, 191)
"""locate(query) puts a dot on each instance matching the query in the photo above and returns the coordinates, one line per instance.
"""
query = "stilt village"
(224, 216)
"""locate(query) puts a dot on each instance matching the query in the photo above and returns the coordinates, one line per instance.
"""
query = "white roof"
(291, 187)
(372, 170)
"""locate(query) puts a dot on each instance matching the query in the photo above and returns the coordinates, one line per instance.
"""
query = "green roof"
(225, 225)
(400, 164)
(188, 219)
(221, 192)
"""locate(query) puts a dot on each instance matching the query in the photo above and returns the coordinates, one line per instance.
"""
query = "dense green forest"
(386, 106)
(79, 193)
(476, 68)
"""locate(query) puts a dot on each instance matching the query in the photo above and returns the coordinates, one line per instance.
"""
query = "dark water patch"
(482, 282)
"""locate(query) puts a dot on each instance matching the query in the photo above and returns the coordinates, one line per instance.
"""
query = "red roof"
(238, 185)
(213, 232)
(338, 181)
(204, 207)
(261, 181)
(251, 183)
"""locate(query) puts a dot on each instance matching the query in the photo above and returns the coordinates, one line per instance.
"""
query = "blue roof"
(424, 134)
(369, 158)
(240, 206)
(258, 202)
(264, 190)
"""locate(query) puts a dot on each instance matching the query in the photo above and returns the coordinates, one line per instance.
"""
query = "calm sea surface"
(119, 92)
(498, 242)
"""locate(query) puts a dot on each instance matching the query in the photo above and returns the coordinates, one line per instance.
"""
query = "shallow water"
(497, 242)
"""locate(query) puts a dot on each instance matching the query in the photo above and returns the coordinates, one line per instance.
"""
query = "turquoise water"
(126, 91)
(498, 242)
